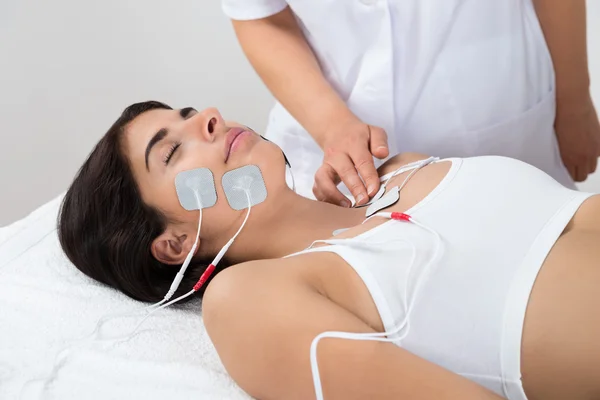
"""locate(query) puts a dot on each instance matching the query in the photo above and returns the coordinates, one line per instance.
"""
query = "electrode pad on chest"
(243, 183)
(387, 200)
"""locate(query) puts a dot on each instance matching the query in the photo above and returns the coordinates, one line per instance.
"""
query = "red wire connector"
(398, 216)
(204, 277)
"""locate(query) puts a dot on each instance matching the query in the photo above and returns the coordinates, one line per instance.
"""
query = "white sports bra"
(453, 286)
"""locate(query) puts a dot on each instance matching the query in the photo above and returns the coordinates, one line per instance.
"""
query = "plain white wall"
(68, 68)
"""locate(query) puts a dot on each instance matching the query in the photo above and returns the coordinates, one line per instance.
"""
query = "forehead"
(146, 124)
(137, 135)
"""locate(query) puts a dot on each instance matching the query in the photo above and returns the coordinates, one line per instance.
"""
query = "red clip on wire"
(398, 216)
(204, 277)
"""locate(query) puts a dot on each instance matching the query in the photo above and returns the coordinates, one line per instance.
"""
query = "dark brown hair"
(105, 228)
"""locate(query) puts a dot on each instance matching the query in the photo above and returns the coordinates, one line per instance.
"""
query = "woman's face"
(162, 143)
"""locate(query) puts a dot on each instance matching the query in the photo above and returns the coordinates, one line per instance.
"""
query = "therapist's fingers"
(580, 173)
(572, 171)
(378, 142)
(325, 187)
(363, 163)
(344, 167)
(593, 165)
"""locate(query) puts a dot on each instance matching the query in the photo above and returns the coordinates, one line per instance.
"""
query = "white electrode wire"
(217, 258)
(379, 336)
(293, 180)
(153, 307)
(63, 354)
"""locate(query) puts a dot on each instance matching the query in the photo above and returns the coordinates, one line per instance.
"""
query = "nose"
(209, 123)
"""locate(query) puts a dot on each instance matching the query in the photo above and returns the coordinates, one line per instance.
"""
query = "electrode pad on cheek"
(193, 185)
(244, 182)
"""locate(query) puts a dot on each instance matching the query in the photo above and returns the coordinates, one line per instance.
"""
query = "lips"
(232, 134)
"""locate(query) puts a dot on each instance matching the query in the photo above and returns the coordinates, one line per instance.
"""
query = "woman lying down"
(469, 278)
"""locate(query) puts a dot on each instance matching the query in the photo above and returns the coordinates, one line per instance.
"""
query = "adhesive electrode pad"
(390, 198)
(200, 181)
(240, 183)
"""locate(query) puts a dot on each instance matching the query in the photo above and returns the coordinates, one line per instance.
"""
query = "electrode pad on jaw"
(196, 182)
(244, 182)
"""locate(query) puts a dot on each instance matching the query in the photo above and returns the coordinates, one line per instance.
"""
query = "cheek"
(264, 154)
(271, 162)
(163, 196)
(199, 154)
(174, 206)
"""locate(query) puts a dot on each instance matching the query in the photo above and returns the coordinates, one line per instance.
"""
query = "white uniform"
(454, 78)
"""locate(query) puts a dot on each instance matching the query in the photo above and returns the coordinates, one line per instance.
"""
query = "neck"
(290, 226)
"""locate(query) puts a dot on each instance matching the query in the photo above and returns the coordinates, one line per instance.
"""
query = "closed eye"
(171, 152)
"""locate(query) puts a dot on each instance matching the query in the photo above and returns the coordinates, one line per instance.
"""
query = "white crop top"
(497, 218)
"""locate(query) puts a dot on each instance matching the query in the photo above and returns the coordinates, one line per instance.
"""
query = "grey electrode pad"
(389, 199)
(198, 180)
(239, 181)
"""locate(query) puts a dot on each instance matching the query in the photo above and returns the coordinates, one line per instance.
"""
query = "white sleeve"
(252, 9)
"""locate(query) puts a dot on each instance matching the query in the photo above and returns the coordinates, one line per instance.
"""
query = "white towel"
(46, 304)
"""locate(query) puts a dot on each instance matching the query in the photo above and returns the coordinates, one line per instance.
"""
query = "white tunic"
(454, 78)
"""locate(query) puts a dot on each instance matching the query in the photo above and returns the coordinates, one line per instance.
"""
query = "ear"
(171, 247)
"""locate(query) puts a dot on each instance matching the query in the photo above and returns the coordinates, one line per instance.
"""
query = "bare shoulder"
(399, 160)
(253, 313)
(250, 289)
(240, 278)
(238, 281)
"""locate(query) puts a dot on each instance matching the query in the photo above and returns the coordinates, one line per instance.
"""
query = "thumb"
(378, 142)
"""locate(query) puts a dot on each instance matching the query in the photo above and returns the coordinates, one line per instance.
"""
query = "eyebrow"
(158, 136)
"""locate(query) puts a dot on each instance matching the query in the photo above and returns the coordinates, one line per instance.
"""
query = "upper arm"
(269, 37)
(244, 10)
(279, 21)
(262, 323)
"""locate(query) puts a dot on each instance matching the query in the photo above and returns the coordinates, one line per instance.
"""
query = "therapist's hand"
(578, 133)
(348, 149)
